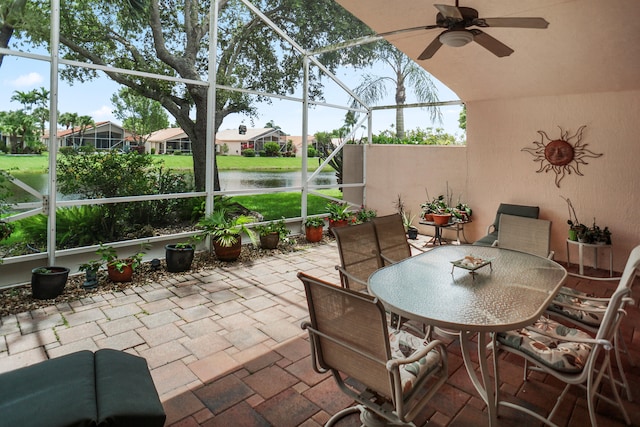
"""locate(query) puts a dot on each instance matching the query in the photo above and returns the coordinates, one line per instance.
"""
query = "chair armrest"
(420, 248)
(584, 297)
(387, 259)
(551, 255)
(349, 276)
(394, 363)
(605, 343)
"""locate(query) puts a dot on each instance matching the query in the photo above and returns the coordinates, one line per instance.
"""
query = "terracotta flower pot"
(270, 241)
(314, 234)
(337, 223)
(428, 217)
(441, 219)
(228, 253)
(115, 275)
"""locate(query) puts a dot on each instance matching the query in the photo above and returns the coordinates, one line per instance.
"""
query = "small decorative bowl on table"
(471, 264)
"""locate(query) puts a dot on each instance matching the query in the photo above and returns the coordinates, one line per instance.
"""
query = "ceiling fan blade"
(449, 11)
(431, 49)
(511, 22)
(491, 44)
(407, 30)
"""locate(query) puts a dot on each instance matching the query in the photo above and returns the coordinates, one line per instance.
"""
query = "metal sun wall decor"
(559, 155)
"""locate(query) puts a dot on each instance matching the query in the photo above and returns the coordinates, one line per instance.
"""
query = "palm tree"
(84, 122)
(69, 120)
(36, 103)
(405, 73)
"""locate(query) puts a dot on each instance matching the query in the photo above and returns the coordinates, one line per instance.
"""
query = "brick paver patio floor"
(225, 347)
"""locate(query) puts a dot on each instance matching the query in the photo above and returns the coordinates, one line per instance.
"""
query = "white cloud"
(28, 80)
(102, 114)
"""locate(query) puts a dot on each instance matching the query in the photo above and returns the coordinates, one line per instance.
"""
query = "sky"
(94, 99)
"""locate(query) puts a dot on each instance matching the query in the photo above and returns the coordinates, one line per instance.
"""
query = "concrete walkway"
(225, 348)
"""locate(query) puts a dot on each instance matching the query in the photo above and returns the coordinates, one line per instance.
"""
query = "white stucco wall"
(493, 169)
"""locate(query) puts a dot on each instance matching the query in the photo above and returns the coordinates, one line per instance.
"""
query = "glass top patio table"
(511, 292)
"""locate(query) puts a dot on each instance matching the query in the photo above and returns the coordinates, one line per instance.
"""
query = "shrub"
(272, 149)
(177, 153)
(312, 152)
(249, 152)
(262, 153)
(153, 151)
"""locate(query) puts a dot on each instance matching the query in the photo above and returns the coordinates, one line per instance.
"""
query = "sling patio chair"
(523, 234)
(392, 239)
(571, 355)
(359, 254)
(397, 372)
(587, 312)
(508, 209)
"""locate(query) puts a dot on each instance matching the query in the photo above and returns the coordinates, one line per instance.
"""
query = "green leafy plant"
(363, 215)
(92, 265)
(110, 257)
(314, 221)
(225, 228)
(339, 211)
(278, 226)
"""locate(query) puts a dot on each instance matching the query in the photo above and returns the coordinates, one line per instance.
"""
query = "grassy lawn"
(39, 164)
(276, 206)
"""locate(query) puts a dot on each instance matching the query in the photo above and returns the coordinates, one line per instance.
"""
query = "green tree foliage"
(171, 38)
(13, 13)
(116, 175)
(272, 149)
(405, 74)
(462, 120)
(22, 131)
(36, 103)
(418, 136)
(139, 115)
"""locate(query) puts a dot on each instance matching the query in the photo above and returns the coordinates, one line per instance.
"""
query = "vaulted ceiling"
(589, 46)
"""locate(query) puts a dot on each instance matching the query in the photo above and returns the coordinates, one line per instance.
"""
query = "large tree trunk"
(401, 98)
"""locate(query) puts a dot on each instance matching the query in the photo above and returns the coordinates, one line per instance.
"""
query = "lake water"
(229, 180)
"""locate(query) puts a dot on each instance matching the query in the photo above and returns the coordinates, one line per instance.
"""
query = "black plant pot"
(48, 282)
(412, 233)
(90, 278)
(178, 259)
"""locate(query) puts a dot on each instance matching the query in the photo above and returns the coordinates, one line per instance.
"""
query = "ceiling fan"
(457, 20)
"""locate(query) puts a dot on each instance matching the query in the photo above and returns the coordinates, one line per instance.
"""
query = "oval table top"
(509, 293)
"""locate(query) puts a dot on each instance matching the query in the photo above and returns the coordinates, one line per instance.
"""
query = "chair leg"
(344, 413)
(619, 341)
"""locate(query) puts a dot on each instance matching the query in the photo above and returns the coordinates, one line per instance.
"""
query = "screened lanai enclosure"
(201, 62)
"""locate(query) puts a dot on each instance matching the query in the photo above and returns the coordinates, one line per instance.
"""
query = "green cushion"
(56, 392)
(125, 391)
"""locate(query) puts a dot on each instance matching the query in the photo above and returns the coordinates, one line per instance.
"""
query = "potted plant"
(409, 228)
(339, 214)
(577, 231)
(314, 226)
(179, 256)
(363, 215)
(90, 269)
(119, 269)
(48, 282)
(225, 232)
(271, 233)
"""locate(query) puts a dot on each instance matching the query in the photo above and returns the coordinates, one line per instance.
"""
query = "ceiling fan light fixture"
(456, 38)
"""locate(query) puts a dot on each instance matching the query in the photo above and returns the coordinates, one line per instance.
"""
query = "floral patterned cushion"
(403, 344)
(583, 310)
(563, 356)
